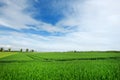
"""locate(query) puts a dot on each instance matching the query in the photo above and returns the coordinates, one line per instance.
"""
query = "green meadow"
(60, 65)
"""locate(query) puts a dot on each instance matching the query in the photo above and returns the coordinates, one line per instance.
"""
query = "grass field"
(60, 66)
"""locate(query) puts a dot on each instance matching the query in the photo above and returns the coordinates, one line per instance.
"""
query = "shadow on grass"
(50, 60)
(88, 59)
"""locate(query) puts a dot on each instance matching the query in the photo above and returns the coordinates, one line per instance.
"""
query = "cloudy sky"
(60, 25)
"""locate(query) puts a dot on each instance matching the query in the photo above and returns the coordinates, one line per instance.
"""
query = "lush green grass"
(71, 55)
(4, 54)
(16, 57)
(34, 66)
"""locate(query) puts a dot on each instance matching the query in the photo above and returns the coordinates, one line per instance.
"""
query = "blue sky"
(60, 25)
(46, 11)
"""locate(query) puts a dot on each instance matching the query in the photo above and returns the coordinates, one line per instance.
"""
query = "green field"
(60, 66)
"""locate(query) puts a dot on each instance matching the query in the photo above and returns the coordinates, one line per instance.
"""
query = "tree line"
(10, 50)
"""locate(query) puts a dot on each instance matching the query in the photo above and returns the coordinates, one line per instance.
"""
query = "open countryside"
(60, 65)
(59, 39)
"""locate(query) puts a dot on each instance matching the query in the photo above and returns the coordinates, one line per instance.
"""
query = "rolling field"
(60, 66)
(4, 54)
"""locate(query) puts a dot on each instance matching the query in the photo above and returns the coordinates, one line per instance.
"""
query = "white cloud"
(13, 15)
(97, 23)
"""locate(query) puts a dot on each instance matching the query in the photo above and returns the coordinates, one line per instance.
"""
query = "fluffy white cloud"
(97, 22)
(14, 15)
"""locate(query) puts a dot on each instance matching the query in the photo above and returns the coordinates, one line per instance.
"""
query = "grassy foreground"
(60, 66)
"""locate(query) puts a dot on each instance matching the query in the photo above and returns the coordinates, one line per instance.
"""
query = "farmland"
(59, 66)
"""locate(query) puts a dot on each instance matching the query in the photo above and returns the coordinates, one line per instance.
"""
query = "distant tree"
(1, 49)
(27, 50)
(75, 51)
(9, 50)
(32, 50)
(21, 50)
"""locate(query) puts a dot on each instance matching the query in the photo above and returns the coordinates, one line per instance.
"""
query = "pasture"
(59, 66)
